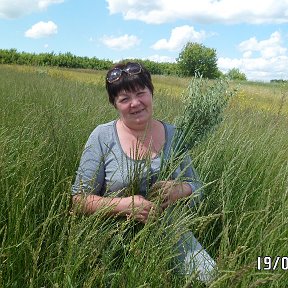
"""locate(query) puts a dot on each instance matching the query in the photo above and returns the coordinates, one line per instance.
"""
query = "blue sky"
(250, 35)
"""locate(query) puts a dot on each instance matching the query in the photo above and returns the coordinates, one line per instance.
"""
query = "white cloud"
(43, 4)
(271, 62)
(247, 54)
(178, 38)
(161, 58)
(204, 11)
(258, 68)
(271, 47)
(17, 8)
(123, 42)
(42, 29)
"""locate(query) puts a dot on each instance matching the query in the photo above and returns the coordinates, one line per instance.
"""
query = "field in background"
(46, 116)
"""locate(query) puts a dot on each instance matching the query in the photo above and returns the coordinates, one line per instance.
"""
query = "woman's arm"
(89, 186)
(134, 206)
(90, 174)
(171, 191)
(186, 183)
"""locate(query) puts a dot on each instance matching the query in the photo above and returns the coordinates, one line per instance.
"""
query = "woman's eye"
(123, 100)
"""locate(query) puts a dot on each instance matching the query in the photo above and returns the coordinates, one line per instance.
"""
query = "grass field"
(46, 116)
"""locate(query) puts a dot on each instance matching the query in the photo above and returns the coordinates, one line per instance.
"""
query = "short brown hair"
(130, 83)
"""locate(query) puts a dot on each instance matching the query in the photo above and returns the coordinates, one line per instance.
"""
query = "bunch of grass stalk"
(204, 103)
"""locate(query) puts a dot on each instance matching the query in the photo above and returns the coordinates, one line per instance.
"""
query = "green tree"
(197, 59)
(236, 74)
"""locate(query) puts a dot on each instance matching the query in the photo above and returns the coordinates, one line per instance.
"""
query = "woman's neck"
(138, 131)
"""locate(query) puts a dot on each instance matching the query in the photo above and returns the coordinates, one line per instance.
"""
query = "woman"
(121, 160)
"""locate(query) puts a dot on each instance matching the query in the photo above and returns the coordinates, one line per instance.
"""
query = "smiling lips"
(137, 112)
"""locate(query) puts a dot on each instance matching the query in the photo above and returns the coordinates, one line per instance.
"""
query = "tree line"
(68, 60)
(193, 59)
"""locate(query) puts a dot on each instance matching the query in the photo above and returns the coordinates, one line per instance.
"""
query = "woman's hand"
(136, 207)
(171, 191)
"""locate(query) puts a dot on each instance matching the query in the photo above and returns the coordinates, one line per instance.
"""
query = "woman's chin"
(140, 120)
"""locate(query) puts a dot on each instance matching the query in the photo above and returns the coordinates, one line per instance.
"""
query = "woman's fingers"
(165, 204)
(141, 209)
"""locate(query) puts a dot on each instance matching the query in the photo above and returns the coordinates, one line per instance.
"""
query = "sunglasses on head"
(131, 69)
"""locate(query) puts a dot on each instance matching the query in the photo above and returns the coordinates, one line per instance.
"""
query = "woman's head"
(128, 77)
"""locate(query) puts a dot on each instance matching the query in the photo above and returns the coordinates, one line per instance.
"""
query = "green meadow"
(46, 116)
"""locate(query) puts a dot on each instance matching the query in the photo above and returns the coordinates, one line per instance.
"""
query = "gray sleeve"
(90, 175)
(186, 172)
(191, 177)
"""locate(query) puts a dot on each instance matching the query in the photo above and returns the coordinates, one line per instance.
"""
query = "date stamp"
(272, 263)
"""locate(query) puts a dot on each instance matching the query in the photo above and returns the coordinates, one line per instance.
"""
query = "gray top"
(105, 169)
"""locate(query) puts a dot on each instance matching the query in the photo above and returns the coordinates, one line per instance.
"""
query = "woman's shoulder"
(104, 127)
(103, 132)
(169, 129)
(168, 125)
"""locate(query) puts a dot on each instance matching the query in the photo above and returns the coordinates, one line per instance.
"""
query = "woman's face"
(135, 107)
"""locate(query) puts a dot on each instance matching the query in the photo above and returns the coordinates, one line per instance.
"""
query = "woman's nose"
(135, 101)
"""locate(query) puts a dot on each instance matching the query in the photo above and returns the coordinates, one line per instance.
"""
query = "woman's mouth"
(137, 112)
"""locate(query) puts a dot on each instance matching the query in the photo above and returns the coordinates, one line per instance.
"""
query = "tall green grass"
(45, 121)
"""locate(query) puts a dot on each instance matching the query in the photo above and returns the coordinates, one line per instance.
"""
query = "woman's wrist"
(186, 189)
(121, 205)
